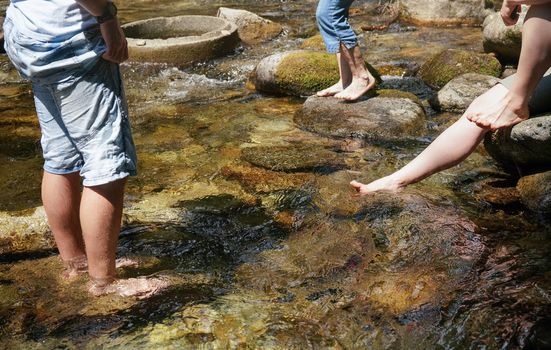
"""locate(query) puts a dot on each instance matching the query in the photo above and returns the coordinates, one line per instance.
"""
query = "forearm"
(95, 7)
(528, 2)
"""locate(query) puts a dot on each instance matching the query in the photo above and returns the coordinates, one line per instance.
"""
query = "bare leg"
(100, 216)
(535, 59)
(345, 79)
(61, 198)
(362, 80)
(450, 148)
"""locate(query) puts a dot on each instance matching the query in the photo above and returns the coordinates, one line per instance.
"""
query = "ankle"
(75, 266)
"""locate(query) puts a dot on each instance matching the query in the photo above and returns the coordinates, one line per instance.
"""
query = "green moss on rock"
(315, 42)
(304, 73)
(393, 93)
(449, 64)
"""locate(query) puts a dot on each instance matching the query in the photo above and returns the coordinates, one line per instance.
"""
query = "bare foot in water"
(141, 287)
(385, 184)
(358, 87)
(508, 111)
(332, 90)
(79, 266)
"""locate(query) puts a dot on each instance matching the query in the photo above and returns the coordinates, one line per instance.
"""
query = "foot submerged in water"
(385, 184)
(141, 287)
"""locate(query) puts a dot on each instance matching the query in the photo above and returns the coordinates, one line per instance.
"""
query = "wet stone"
(523, 149)
(443, 12)
(374, 119)
(451, 63)
(293, 158)
(252, 29)
(458, 94)
(259, 180)
(504, 41)
(535, 192)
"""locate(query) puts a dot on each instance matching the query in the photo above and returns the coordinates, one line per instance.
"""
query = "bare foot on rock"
(332, 90)
(141, 287)
(505, 112)
(385, 184)
(121, 263)
(74, 267)
(358, 87)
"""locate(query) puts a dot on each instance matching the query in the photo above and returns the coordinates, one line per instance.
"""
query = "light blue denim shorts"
(80, 104)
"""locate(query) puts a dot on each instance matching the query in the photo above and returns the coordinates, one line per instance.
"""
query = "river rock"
(252, 28)
(525, 148)
(258, 180)
(457, 94)
(297, 73)
(376, 119)
(451, 63)
(314, 43)
(504, 41)
(443, 12)
(535, 192)
(293, 158)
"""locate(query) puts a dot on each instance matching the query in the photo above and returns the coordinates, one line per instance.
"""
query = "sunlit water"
(271, 259)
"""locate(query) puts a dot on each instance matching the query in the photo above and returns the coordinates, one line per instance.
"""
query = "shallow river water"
(282, 258)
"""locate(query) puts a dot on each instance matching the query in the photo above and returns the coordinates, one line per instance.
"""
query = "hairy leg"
(100, 216)
(535, 59)
(450, 148)
(61, 198)
(362, 80)
(345, 79)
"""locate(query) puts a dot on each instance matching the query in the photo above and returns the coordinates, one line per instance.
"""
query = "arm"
(111, 31)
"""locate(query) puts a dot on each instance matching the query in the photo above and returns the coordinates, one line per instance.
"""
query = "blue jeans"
(332, 18)
(80, 103)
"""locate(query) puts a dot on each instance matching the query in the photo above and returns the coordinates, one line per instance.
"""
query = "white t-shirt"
(50, 20)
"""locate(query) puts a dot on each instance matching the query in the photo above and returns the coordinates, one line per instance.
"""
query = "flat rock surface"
(456, 95)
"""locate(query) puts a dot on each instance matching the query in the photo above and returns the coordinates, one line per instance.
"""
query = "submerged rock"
(457, 94)
(504, 41)
(297, 73)
(293, 158)
(451, 63)
(258, 180)
(443, 12)
(377, 119)
(523, 149)
(535, 192)
(252, 28)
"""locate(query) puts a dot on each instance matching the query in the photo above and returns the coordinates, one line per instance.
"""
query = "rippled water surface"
(276, 258)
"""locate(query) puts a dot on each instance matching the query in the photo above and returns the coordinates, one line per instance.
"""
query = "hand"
(509, 13)
(115, 40)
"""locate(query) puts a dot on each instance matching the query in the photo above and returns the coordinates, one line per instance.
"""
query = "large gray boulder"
(252, 28)
(443, 12)
(523, 149)
(504, 41)
(180, 40)
(376, 119)
(535, 192)
(456, 95)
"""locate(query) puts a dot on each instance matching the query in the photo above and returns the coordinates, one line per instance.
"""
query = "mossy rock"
(535, 192)
(449, 64)
(504, 41)
(315, 42)
(293, 158)
(298, 73)
(393, 93)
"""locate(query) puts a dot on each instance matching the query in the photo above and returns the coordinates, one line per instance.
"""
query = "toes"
(357, 185)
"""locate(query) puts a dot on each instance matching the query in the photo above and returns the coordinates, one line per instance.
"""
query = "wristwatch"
(109, 12)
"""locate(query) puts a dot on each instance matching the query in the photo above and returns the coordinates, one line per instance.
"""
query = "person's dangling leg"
(535, 59)
(450, 148)
(327, 15)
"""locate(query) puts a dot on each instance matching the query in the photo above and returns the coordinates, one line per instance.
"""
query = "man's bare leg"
(450, 148)
(535, 59)
(345, 79)
(362, 80)
(61, 199)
